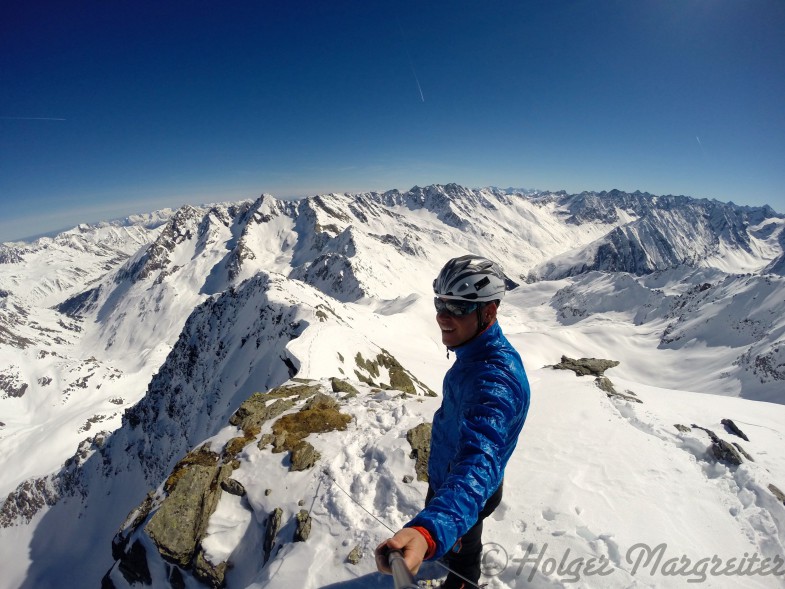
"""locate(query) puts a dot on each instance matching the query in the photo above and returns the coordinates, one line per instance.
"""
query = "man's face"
(456, 331)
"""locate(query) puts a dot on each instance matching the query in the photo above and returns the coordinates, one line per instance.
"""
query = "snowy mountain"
(148, 348)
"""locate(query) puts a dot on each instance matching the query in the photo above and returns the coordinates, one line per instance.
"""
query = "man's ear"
(489, 312)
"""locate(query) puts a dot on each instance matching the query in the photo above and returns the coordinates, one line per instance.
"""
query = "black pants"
(465, 556)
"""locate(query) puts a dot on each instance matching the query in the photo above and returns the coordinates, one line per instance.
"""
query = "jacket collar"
(478, 347)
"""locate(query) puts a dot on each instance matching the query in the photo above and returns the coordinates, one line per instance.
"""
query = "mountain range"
(168, 345)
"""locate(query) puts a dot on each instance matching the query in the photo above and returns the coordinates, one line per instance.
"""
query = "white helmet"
(470, 278)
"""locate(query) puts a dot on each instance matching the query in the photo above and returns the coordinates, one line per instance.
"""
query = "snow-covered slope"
(665, 232)
(156, 334)
(569, 490)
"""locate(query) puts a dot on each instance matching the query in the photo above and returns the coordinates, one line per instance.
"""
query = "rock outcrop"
(585, 366)
(419, 437)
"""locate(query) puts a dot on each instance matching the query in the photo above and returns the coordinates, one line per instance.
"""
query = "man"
(485, 399)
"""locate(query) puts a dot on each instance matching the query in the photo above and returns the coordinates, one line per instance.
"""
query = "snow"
(592, 477)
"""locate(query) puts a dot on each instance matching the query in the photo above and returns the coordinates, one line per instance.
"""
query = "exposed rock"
(303, 530)
(106, 580)
(233, 487)
(731, 428)
(27, 499)
(11, 384)
(273, 525)
(419, 437)
(289, 366)
(255, 410)
(133, 565)
(355, 555)
(279, 443)
(585, 366)
(303, 456)
(321, 401)
(777, 493)
(743, 452)
(176, 579)
(725, 452)
(132, 521)
(400, 378)
(682, 428)
(193, 491)
(720, 449)
(235, 445)
(265, 441)
(208, 573)
(267, 492)
(407, 478)
(342, 386)
(714, 437)
(605, 384)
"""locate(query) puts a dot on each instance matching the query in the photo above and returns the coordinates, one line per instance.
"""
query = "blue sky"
(112, 108)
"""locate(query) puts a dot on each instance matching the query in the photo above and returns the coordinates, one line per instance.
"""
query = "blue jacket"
(485, 399)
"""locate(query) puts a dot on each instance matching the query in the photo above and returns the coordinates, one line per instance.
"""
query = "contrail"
(701, 144)
(411, 63)
(31, 119)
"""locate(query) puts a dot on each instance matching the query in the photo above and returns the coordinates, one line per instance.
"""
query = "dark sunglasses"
(454, 308)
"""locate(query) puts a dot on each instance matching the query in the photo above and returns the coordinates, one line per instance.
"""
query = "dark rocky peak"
(333, 274)
(266, 208)
(10, 255)
(183, 226)
(731, 223)
(217, 214)
(345, 243)
(602, 206)
(330, 205)
(445, 201)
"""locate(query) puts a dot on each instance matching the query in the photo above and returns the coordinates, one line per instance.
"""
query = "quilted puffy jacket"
(484, 404)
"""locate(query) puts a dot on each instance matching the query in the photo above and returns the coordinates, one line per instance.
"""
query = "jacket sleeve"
(491, 423)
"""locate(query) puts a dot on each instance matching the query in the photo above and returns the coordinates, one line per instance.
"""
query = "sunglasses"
(454, 308)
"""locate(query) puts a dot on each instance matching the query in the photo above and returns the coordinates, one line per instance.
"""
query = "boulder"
(777, 493)
(233, 487)
(133, 565)
(585, 366)
(193, 491)
(743, 452)
(605, 384)
(355, 555)
(726, 452)
(303, 456)
(419, 438)
(343, 386)
(273, 525)
(208, 573)
(720, 449)
(731, 428)
(321, 401)
(303, 530)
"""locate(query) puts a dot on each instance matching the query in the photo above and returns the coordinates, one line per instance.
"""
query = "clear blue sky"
(164, 103)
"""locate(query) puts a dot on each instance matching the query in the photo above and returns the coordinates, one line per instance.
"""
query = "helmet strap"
(480, 323)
